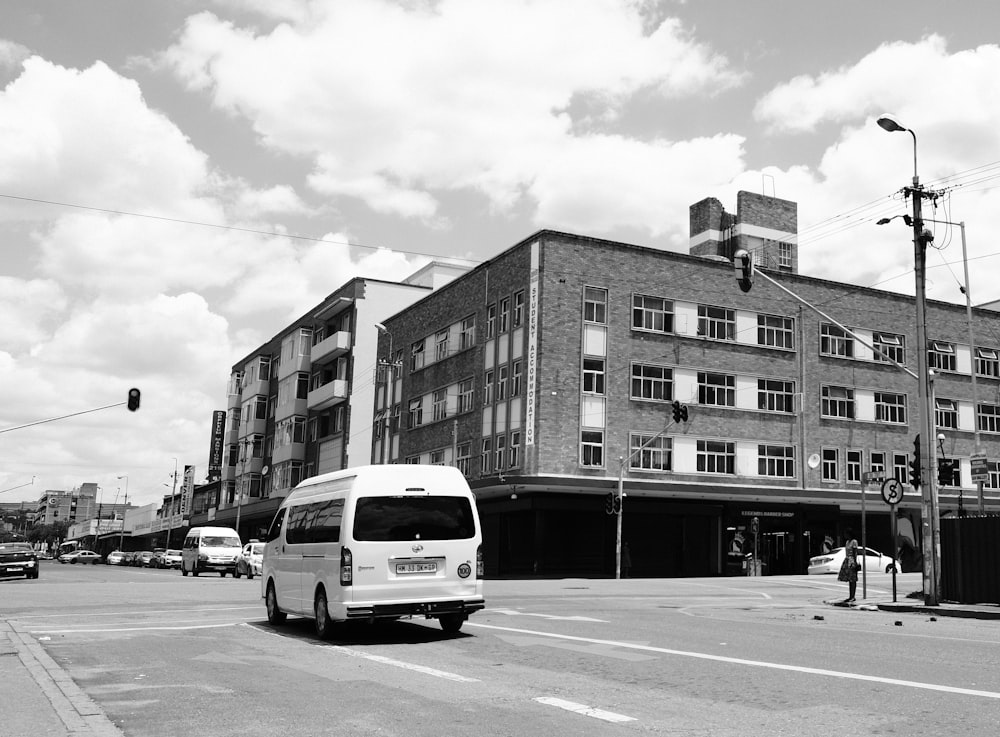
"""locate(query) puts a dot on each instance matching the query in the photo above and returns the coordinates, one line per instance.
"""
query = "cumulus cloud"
(451, 97)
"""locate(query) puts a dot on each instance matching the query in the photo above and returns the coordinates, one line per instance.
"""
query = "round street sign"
(892, 491)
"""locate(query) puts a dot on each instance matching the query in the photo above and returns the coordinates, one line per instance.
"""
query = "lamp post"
(170, 507)
(121, 539)
(246, 445)
(928, 496)
(390, 365)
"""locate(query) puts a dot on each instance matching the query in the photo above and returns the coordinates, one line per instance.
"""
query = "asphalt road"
(163, 654)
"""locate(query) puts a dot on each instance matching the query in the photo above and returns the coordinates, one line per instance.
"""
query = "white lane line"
(587, 711)
(135, 629)
(402, 664)
(515, 612)
(755, 663)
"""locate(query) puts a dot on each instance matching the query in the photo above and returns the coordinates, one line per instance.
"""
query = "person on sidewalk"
(849, 568)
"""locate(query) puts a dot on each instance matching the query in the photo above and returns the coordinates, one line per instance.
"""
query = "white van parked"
(376, 542)
(210, 549)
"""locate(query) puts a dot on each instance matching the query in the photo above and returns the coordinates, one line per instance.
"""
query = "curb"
(957, 610)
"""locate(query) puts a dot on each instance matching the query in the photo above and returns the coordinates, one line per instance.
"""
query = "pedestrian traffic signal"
(609, 503)
(915, 464)
(680, 412)
(946, 472)
(133, 399)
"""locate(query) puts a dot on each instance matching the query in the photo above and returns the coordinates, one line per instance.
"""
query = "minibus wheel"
(324, 625)
(274, 615)
(452, 623)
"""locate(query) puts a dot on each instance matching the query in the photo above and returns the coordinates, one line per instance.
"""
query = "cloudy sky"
(180, 180)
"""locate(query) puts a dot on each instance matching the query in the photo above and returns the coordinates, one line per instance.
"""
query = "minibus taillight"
(480, 568)
(346, 567)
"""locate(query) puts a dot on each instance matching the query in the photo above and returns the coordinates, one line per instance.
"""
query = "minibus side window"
(274, 531)
(295, 532)
(324, 521)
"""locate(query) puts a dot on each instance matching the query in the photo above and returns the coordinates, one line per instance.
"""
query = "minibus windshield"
(217, 541)
(398, 518)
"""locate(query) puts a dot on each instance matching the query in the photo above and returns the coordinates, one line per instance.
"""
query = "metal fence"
(970, 559)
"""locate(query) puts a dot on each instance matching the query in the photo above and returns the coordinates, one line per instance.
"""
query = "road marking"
(403, 664)
(755, 663)
(588, 711)
(136, 629)
(515, 612)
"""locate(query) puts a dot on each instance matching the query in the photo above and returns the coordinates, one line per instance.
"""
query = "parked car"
(116, 558)
(156, 560)
(250, 560)
(18, 559)
(872, 560)
(81, 557)
(169, 559)
(142, 558)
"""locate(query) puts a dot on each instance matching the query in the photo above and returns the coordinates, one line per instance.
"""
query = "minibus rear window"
(398, 518)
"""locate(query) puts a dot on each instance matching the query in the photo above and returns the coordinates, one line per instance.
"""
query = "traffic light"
(680, 411)
(946, 472)
(618, 504)
(743, 261)
(915, 464)
(609, 503)
(133, 399)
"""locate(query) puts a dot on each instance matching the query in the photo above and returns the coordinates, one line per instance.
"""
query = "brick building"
(549, 370)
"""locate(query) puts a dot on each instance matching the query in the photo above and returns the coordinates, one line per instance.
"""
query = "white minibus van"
(210, 549)
(376, 542)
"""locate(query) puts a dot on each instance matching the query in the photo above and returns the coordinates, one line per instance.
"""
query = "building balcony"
(331, 347)
(328, 395)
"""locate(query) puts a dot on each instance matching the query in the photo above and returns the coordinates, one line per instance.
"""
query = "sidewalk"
(38, 698)
(904, 605)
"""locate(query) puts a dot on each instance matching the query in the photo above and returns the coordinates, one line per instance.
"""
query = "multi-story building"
(67, 506)
(548, 375)
(302, 403)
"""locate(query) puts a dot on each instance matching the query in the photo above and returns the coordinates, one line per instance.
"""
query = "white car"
(116, 558)
(874, 562)
(250, 560)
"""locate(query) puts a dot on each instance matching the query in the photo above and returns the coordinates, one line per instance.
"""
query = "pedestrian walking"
(626, 560)
(849, 568)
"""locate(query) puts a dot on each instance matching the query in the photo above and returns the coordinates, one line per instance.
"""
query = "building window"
(854, 466)
(437, 457)
(941, 356)
(515, 380)
(890, 407)
(518, 308)
(486, 456)
(993, 481)
(592, 448)
(656, 453)
(988, 416)
(502, 375)
(499, 451)
(945, 413)
(837, 401)
(718, 390)
(491, 321)
(515, 448)
(416, 412)
(834, 341)
(652, 382)
(877, 462)
(775, 395)
(439, 404)
(784, 255)
(465, 395)
(593, 376)
(467, 333)
(776, 461)
(441, 346)
(504, 315)
(413, 460)
(987, 363)
(652, 313)
(717, 323)
(831, 463)
(891, 345)
(488, 388)
(417, 356)
(463, 460)
(716, 456)
(900, 467)
(595, 305)
(775, 331)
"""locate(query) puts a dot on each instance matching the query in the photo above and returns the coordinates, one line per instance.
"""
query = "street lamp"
(390, 396)
(121, 540)
(170, 507)
(928, 496)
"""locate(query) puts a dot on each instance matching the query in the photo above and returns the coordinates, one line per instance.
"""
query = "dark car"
(143, 558)
(18, 559)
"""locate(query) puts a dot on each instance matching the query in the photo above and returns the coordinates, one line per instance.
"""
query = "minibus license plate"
(416, 568)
